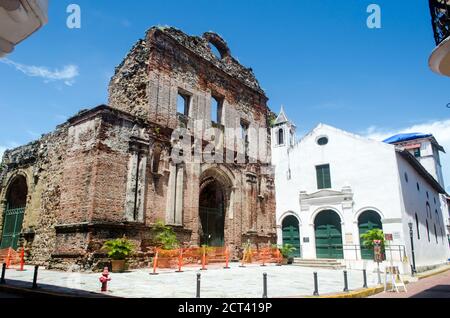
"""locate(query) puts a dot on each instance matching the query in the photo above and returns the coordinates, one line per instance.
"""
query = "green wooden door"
(367, 221)
(328, 235)
(291, 234)
(12, 226)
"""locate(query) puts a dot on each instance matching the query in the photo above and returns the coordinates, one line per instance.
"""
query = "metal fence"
(355, 251)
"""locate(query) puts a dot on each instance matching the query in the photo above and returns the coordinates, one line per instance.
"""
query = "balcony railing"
(440, 18)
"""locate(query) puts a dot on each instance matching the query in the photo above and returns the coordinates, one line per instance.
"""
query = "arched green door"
(291, 234)
(328, 235)
(14, 213)
(367, 221)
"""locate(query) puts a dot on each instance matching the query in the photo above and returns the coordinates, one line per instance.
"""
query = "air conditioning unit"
(18, 20)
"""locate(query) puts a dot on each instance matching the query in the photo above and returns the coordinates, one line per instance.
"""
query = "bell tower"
(283, 136)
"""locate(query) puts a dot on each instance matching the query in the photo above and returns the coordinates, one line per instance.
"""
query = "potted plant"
(369, 237)
(286, 250)
(118, 251)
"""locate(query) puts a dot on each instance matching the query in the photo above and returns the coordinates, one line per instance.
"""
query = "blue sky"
(318, 58)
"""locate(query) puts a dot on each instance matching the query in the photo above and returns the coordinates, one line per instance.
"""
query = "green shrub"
(165, 236)
(372, 235)
(286, 250)
(119, 249)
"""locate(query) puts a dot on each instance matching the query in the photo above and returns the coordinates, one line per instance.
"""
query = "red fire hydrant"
(104, 279)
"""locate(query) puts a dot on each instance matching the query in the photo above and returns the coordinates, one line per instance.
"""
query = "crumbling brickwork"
(109, 172)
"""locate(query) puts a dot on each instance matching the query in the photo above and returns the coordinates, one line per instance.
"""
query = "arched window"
(417, 227)
(428, 232)
(281, 136)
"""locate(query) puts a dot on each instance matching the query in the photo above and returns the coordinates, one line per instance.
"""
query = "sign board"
(389, 237)
(306, 240)
(377, 252)
(348, 238)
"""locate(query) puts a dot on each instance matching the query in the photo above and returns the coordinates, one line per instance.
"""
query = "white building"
(332, 185)
(18, 20)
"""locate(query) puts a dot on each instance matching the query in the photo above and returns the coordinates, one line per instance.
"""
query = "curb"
(423, 276)
(31, 292)
(41, 293)
(363, 293)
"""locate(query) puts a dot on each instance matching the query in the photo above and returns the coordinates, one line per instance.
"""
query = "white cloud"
(67, 74)
(2, 150)
(439, 128)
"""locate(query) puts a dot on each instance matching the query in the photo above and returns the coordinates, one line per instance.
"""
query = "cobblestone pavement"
(432, 287)
(284, 281)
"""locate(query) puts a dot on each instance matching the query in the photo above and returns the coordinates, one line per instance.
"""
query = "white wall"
(427, 253)
(374, 173)
(368, 167)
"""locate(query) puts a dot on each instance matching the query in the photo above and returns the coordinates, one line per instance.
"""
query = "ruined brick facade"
(108, 171)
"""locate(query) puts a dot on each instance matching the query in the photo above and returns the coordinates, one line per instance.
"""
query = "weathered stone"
(108, 172)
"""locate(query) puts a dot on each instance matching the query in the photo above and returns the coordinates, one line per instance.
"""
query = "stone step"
(331, 261)
(326, 266)
(320, 263)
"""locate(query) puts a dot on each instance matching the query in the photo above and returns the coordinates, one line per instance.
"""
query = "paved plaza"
(237, 282)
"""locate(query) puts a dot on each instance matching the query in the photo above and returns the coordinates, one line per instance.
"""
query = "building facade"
(110, 171)
(332, 186)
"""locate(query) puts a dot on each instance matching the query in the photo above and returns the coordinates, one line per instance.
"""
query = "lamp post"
(413, 267)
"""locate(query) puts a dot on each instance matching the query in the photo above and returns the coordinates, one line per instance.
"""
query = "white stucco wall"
(370, 172)
(427, 252)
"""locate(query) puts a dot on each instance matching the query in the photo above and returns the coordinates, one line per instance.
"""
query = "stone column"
(171, 192)
(135, 193)
(179, 192)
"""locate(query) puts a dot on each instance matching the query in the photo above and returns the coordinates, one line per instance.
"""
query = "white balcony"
(18, 20)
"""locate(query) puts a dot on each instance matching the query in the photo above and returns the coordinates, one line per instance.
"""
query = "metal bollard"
(345, 282)
(2, 280)
(264, 285)
(36, 268)
(316, 285)
(365, 278)
(198, 285)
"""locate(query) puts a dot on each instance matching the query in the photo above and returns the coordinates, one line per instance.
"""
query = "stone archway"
(16, 201)
(214, 202)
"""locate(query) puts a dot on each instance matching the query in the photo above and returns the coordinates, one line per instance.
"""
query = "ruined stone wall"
(41, 164)
(148, 81)
(156, 70)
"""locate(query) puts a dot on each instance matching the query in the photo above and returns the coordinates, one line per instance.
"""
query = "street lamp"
(413, 266)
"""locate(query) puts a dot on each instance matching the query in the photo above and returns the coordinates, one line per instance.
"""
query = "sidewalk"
(437, 286)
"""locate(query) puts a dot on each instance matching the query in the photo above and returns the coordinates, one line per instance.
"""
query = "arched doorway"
(16, 200)
(328, 234)
(291, 234)
(368, 220)
(212, 213)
